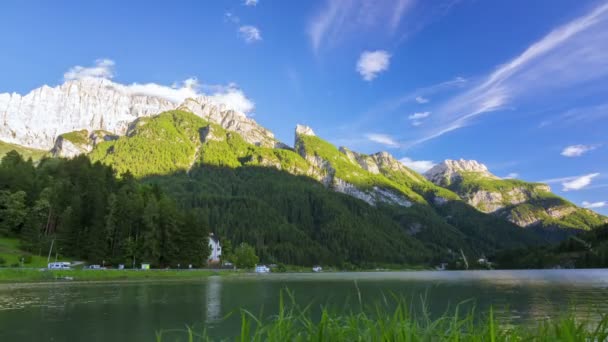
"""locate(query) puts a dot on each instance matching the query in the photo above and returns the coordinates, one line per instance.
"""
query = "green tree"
(13, 211)
(245, 257)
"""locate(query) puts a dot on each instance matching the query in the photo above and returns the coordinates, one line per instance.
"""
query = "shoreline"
(33, 276)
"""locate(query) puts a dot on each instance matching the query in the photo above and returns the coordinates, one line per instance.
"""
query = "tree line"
(87, 213)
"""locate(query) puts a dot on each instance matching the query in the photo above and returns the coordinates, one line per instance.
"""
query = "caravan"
(59, 266)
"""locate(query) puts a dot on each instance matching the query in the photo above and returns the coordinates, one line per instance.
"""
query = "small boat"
(317, 268)
(262, 269)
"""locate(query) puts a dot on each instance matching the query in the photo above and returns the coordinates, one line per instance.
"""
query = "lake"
(133, 311)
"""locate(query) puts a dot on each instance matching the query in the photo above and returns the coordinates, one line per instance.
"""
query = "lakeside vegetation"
(586, 250)
(395, 320)
(32, 275)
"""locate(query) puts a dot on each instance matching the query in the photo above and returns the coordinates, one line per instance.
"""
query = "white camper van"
(59, 266)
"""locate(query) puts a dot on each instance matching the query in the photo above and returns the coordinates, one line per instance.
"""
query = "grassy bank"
(396, 321)
(27, 275)
(12, 255)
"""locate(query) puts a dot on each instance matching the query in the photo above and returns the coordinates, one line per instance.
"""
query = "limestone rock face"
(67, 149)
(38, 118)
(72, 144)
(304, 130)
(366, 162)
(231, 120)
(524, 204)
(448, 171)
(327, 175)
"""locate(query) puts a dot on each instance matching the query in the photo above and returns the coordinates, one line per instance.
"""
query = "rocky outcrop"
(524, 204)
(304, 130)
(448, 171)
(366, 162)
(231, 120)
(72, 144)
(327, 175)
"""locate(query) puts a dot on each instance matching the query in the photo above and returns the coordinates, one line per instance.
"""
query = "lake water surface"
(134, 311)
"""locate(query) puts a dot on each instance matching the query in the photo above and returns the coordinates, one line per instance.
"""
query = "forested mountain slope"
(179, 174)
(529, 205)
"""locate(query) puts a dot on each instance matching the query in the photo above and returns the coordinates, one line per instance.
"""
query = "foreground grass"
(25, 275)
(396, 322)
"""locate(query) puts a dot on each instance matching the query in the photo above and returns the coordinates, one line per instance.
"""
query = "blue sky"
(518, 85)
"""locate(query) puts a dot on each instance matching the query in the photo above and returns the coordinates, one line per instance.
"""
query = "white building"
(215, 250)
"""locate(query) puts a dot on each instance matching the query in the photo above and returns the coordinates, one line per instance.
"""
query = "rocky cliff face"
(72, 144)
(231, 120)
(342, 167)
(37, 119)
(450, 170)
(525, 204)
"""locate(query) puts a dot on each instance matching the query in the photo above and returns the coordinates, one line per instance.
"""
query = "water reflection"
(134, 311)
(214, 299)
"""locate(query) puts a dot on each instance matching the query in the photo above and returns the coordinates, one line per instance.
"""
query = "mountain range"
(201, 147)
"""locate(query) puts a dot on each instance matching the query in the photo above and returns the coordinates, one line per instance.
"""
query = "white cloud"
(371, 63)
(250, 33)
(420, 115)
(576, 150)
(103, 68)
(382, 139)
(420, 166)
(511, 175)
(251, 2)
(234, 98)
(338, 19)
(573, 183)
(229, 95)
(573, 54)
(594, 205)
(421, 99)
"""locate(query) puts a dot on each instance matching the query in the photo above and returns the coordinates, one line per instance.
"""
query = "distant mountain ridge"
(149, 136)
(523, 203)
(37, 119)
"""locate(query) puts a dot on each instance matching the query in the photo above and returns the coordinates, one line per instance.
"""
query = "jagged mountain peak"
(304, 130)
(447, 171)
(232, 120)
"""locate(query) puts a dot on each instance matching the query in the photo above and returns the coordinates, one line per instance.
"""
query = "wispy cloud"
(594, 205)
(577, 150)
(419, 115)
(574, 182)
(337, 19)
(585, 115)
(420, 166)
(371, 63)
(231, 18)
(421, 99)
(250, 33)
(572, 54)
(383, 139)
(229, 95)
(511, 175)
(251, 2)
(103, 68)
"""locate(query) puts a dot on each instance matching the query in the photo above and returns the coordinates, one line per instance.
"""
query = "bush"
(2, 261)
(245, 257)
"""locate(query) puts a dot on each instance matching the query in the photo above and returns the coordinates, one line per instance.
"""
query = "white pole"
(50, 251)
